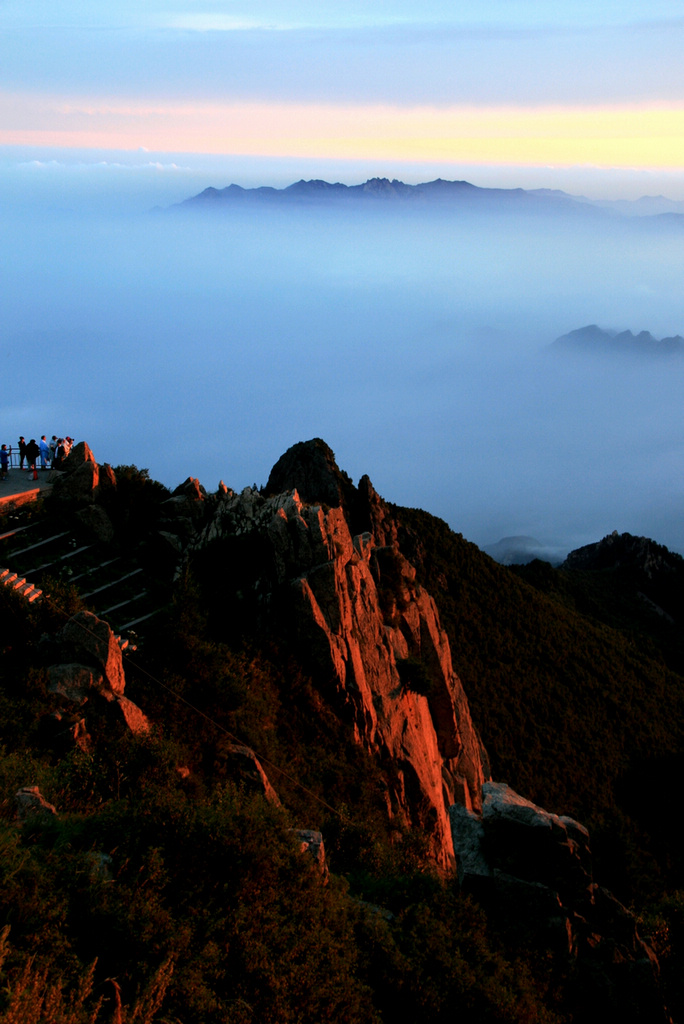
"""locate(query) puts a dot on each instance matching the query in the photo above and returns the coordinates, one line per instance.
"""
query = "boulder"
(93, 642)
(182, 515)
(170, 542)
(310, 842)
(130, 715)
(74, 681)
(31, 803)
(531, 871)
(529, 843)
(95, 524)
(531, 911)
(468, 835)
(83, 685)
(79, 485)
(79, 455)
(107, 478)
(79, 479)
(248, 770)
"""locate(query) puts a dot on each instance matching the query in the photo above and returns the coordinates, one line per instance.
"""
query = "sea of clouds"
(415, 343)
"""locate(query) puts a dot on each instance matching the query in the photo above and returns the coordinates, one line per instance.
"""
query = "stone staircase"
(20, 585)
(111, 582)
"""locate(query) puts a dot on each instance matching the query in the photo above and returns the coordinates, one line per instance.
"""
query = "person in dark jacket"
(60, 454)
(22, 452)
(32, 453)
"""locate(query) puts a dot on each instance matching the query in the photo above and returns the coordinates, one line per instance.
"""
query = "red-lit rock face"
(361, 618)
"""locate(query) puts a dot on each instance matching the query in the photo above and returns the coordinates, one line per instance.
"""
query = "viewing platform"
(20, 488)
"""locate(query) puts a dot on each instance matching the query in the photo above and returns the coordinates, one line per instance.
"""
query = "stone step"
(122, 604)
(143, 618)
(19, 529)
(22, 586)
(24, 551)
(62, 558)
(95, 568)
(13, 533)
(112, 584)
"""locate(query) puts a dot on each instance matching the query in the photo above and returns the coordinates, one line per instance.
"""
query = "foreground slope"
(299, 680)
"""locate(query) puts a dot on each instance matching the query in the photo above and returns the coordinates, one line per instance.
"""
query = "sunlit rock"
(92, 639)
(359, 616)
(31, 803)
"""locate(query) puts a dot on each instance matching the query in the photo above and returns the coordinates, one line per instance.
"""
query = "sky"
(581, 95)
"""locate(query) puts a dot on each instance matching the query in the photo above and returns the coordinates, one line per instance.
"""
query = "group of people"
(51, 453)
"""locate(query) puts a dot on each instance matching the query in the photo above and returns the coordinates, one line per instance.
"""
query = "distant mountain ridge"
(316, 191)
(519, 550)
(595, 339)
(464, 194)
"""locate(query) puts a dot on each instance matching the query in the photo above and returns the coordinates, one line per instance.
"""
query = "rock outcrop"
(93, 642)
(31, 803)
(370, 634)
(92, 674)
(311, 470)
(95, 524)
(81, 480)
(248, 771)
(532, 871)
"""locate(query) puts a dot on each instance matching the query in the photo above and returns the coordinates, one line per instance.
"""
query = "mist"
(415, 343)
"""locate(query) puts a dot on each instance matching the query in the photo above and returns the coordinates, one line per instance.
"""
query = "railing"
(14, 458)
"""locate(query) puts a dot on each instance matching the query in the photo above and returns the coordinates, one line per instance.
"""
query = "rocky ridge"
(329, 571)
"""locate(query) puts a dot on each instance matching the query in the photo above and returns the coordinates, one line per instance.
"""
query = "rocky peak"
(311, 469)
(368, 632)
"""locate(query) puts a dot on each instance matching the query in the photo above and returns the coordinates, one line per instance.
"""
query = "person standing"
(44, 453)
(32, 453)
(59, 454)
(22, 452)
(4, 462)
